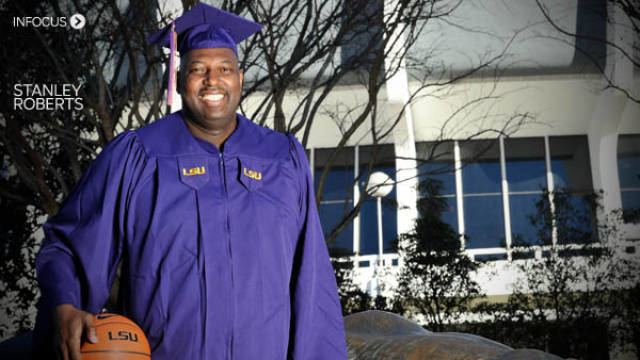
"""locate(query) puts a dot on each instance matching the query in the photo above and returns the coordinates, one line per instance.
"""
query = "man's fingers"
(72, 327)
(73, 347)
(62, 352)
(73, 341)
(90, 329)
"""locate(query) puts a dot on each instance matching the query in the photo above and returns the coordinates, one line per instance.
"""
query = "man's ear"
(241, 78)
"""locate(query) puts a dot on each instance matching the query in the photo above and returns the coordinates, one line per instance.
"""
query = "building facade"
(544, 119)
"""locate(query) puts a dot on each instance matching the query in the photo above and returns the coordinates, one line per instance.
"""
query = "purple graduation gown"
(223, 253)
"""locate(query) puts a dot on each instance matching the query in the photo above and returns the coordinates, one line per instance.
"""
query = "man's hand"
(71, 326)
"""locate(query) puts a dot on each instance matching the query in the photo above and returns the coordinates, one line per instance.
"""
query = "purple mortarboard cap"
(202, 27)
(205, 27)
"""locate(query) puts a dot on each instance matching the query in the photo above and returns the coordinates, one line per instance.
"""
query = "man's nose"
(212, 78)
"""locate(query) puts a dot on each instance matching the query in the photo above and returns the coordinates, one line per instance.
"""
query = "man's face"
(211, 84)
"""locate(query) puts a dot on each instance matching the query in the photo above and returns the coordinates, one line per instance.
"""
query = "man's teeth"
(213, 97)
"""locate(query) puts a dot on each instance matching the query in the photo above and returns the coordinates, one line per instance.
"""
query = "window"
(504, 188)
(526, 178)
(482, 194)
(337, 195)
(504, 192)
(436, 165)
(574, 204)
(570, 163)
(629, 175)
(381, 158)
(338, 198)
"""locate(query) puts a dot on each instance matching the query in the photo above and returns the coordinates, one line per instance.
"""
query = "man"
(214, 221)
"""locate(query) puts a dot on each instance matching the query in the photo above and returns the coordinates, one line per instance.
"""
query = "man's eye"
(197, 70)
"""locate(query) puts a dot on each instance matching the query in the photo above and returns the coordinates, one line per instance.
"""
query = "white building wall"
(555, 103)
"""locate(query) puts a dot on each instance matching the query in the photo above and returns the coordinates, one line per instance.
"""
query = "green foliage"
(581, 295)
(352, 298)
(435, 278)
(578, 298)
(584, 339)
(45, 152)
(17, 277)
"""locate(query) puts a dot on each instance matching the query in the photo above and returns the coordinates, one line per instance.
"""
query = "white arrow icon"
(78, 21)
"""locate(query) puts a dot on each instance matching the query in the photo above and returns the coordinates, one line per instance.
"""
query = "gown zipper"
(228, 239)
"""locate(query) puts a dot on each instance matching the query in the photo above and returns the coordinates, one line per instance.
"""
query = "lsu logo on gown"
(252, 174)
(193, 171)
(200, 170)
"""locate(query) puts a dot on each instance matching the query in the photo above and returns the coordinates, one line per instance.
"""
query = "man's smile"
(212, 98)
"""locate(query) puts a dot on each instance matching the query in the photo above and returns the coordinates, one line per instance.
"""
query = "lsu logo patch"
(194, 171)
(252, 174)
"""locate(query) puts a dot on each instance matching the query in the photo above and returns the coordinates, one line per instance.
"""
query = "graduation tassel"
(172, 66)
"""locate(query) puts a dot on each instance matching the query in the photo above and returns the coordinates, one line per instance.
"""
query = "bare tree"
(120, 89)
(307, 50)
(623, 45)
(313, 48)
(46, 151)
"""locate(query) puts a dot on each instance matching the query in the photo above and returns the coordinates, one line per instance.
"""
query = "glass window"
(482, 194)
(450, 214)
(629, 174)
(573, 189)
(526, 176)
(379, 158)
(481, 167)
(525, 227)
(369, 228)
(484, 222)
(575, 218)
(570, 163)
(336, 195)
(436, 164)
(331, 214)
(525, 164)
(338, 184)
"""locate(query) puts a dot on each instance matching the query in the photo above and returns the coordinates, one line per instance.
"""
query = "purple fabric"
(224, 256)
(206, 36)
(205, 27)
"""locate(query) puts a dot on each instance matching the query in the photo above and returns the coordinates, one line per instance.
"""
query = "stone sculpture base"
(379, 335)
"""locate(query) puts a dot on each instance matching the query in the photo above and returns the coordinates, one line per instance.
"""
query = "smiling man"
(213, 219)
(211, 83)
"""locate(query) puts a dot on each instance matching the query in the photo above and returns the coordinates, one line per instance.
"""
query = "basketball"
(118, 338)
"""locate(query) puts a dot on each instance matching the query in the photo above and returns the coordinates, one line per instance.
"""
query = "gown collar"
(233, 145)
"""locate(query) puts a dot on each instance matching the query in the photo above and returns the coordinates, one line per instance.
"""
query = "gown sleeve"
(317, 330)
(83, 242)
